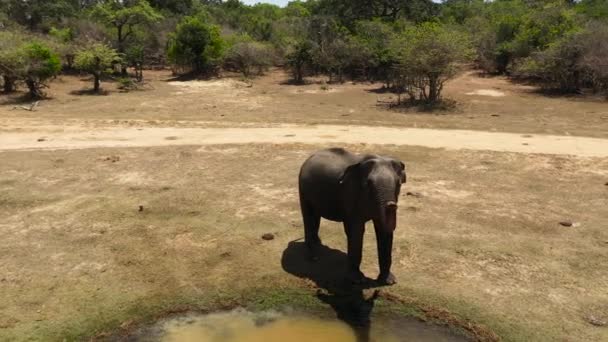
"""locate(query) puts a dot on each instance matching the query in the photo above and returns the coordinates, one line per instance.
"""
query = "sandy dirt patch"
(322, 134)
(487, 92)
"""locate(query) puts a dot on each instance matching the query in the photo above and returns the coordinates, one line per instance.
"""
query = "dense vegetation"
(412, 46)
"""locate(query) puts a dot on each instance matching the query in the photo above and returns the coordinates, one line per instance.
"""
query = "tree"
(196, 44)
(375, 38)
(32, 13)
(63, 43)
(351, 11)
(96, 59)
(10, 57)
(38, 64)
(125, 17)
(429, 54)
(300, 58)
(175, 6)
(596, 9)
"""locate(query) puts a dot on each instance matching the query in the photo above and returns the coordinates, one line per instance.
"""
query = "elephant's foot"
(356, 277)
(388, 279)
(314, 250)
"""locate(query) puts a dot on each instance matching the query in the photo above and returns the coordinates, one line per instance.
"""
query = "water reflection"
(244, 326)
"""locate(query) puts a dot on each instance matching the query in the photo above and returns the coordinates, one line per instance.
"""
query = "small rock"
(112, 159)
(41, 139)
(495, 115)
(606, 184)
(141, 208)
(593, 320)
(570, 224)
(414, 194)
(225, 254)
(412, 209)
(268, 236)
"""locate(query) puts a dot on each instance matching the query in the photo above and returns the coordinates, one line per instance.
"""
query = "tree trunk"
(139, 72)
(299, 74)
(9, 84)
(70, 61)
(121, 50)
(433, 89)
(97, 84)
(35, 92)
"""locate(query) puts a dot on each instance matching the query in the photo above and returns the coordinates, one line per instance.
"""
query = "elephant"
(340, 186)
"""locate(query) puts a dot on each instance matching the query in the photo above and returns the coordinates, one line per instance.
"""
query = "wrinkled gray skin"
(354, 189)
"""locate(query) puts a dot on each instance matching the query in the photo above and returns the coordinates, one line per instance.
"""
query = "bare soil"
(152, 199)
(78, 138)
(267, 100)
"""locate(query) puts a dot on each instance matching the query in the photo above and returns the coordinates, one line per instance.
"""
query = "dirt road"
(60, 138)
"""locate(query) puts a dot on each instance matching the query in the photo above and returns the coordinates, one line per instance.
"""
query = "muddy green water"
(244, 326)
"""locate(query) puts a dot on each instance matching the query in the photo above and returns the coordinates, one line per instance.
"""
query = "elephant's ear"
(351, 169)
(400, 169)
(359, 170)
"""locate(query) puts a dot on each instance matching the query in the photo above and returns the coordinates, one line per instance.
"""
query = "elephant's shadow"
(328, 272)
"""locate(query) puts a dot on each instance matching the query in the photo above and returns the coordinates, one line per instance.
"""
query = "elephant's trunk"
(390, 216)
(386, 208)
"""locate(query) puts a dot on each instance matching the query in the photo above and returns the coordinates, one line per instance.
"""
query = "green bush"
(575, 61)
(35, 65)
(299, 58)
(197, 45)
(97, 60)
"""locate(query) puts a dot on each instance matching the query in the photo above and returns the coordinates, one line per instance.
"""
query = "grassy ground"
(77, 256)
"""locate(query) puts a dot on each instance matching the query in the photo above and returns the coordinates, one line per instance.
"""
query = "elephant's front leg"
(354, 233)
(385, 250)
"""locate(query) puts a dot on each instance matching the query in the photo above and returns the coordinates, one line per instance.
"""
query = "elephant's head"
(380, 179)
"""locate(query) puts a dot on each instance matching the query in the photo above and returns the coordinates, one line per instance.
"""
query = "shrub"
(248, 57)
(576, 61)
(594, 55)
(557, 66)
(197, 45)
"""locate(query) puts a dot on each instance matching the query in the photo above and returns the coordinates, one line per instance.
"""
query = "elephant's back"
(326, 165)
